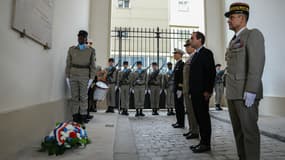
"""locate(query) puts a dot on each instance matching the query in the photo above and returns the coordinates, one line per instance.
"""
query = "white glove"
(116, 87)
(249, 98)
(160, 91)
(147, 91)
(165, 92)
(89, 83)
(179, 93)
(132, 90)
(67, 82)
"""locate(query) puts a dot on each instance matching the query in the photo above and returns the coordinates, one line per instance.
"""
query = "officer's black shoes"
(218, 107)
(187, 134)
(178, 126)
(194, 146)
(192, 136)
(201, 148)
(141, 113)
(174, 124)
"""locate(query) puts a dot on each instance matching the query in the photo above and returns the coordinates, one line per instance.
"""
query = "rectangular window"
(123, 3)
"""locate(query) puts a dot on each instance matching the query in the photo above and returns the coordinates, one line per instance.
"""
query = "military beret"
(139, 62)
(125, 62)
(153, 63)
(218, 65)
(169, 63)
(238, 8)
(111, 60)
(82, 33)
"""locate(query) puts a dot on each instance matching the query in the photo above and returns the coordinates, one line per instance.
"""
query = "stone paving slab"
(270, 126)
(101, 130)
(157, 140)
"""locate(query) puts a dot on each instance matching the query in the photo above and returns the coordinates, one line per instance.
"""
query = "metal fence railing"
(147, 44)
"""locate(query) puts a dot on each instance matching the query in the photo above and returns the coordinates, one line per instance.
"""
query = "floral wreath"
(66, 135)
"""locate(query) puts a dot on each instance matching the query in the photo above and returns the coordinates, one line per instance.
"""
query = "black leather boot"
(156, 112)
(110, 109)
(172, 112)
(137, 114)
(153, 111)
(84, 118)
(141, 112)
(76, 118)
(168, 112)
(218, 107)
(127, 113)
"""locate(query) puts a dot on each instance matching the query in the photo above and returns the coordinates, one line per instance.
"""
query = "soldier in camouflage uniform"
(154, 84)
(80, 71)
(169, 84)
(124, 84)
(219, 86)
(139, 85)
(111, 80)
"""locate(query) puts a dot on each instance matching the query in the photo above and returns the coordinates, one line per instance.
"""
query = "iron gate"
(146, 44)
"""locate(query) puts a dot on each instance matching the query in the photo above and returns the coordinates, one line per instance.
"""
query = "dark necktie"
(234, 37)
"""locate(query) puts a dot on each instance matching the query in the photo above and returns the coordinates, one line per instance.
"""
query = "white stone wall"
(31, 75)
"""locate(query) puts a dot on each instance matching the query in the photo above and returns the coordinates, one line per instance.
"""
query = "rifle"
(169, 78)
(126, 74)
(110, 72)
(143, 71)
(155, 74)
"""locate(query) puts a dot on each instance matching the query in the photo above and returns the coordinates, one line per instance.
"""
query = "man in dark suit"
(178, 84)
(201, 83)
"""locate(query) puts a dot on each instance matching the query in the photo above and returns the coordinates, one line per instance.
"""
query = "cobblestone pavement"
(157, 140)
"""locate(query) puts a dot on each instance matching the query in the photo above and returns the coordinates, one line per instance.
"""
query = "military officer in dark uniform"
(178, 84)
